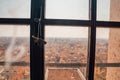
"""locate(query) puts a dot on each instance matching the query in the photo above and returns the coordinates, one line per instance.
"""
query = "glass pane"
(64, 74)
(67, 9)
(100, 73)
(14, 52)
(102, 45)
(107, 73)
(107, 53)
(15, 8)
(66, 50)
(108, 10)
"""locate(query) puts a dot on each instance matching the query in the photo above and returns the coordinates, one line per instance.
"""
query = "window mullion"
(36, 50)
(92, 41)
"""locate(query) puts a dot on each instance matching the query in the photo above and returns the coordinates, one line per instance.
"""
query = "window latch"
(38, 40)
(37, 20)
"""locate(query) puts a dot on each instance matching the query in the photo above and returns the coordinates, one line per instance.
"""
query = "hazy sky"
(14, 30)
(15, 8)
(62, 9)
(66, 32)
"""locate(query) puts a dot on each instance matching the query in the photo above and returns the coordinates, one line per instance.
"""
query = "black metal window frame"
(37, 51)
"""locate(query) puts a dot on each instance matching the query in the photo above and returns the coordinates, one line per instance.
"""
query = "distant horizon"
(53, 37)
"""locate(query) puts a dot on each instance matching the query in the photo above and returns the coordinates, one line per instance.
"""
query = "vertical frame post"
(92, 41)
(36, 51)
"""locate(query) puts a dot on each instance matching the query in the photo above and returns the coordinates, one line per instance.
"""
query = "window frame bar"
(92, 41)
(22, 21)
(64, 22)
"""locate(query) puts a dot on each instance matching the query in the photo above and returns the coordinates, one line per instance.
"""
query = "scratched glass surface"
(15, 8)
(14, 52)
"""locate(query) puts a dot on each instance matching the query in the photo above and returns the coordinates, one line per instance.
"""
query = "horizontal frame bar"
(107, 65)
(65, 64)
(104, 24)
(82, 64)
(14, 21)
(108, 24)
(67, 22)
(16, 63)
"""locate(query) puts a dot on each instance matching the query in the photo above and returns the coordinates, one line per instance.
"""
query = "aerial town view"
(73, 51)
(14, 58)
(58, 51)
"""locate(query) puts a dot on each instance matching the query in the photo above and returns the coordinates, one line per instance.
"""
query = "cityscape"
(57, 51)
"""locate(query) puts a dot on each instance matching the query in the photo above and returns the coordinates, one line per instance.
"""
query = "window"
(80, 35)
(107, 54)
(15, 9)
(15, 52)
(66, 46)
(67, 9)
(15, 40)
(105, 10)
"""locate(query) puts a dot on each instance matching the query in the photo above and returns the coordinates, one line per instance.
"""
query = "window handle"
(37, 39)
